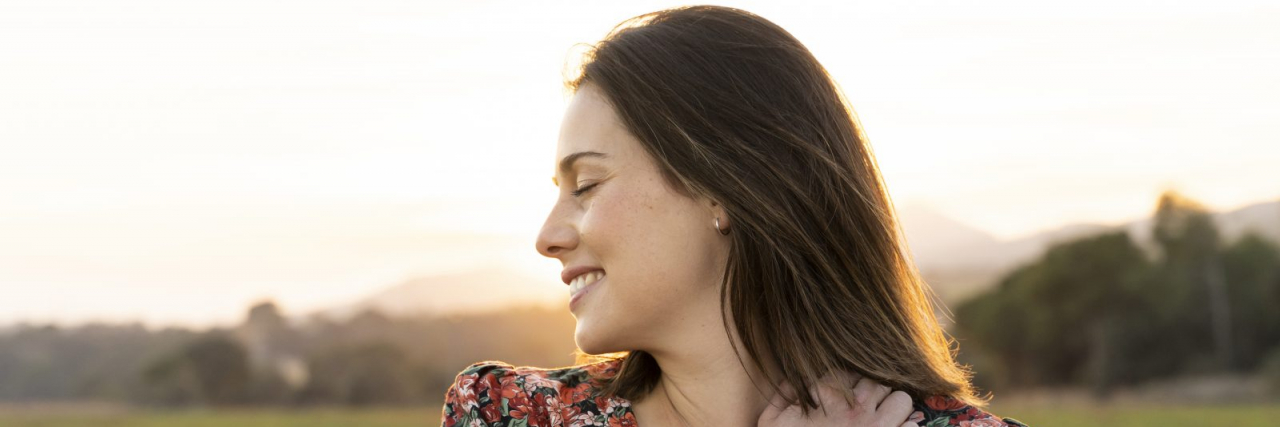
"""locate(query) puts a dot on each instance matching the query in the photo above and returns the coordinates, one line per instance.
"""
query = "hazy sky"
(173, 162)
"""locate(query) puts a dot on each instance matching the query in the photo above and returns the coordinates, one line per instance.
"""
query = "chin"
(591, 342)
(584, 340)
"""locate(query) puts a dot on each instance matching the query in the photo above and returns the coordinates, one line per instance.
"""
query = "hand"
(876, 406)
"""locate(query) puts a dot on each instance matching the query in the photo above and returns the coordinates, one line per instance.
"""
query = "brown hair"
(734, 108)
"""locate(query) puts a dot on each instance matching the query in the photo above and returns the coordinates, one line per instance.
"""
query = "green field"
(335, 417)
(1143, 415)
(1261, 415)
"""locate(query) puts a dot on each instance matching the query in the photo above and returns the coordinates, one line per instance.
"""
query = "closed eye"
(579, 191)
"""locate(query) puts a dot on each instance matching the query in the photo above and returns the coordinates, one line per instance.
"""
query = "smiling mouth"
(582, 281)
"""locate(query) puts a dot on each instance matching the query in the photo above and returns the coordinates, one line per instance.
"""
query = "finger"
(779, 399)
(895, 407)
(778, 403)
(821, 396)
(910, 424)
(831, 395)
(870, 393)
(847, 380)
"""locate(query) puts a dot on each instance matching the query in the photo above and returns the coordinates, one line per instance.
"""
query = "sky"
(174, 162)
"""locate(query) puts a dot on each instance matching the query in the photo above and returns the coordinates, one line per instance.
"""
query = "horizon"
(296, 315)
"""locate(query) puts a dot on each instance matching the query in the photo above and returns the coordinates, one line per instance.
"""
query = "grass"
(327, 417)
(1035, 415)
(1252, 414)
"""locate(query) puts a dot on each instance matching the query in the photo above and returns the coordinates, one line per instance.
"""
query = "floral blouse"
(494, 393)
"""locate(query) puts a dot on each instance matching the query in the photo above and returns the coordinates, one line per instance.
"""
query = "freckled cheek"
(607, 223)
(619, 230)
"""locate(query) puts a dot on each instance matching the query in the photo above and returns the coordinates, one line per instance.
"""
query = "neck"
(704, 384)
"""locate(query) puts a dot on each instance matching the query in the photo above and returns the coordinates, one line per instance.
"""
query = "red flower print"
(594, 368)
(538, 411)
(492, 413)
(583, 420)
(943, 403)
(509, 387)
(554, 409)
(569, 412)
(970, 413)
(577, 394)
(916, 417)
(624, 422)
(453, 418)
(541, 381)
(489, 385)
(983, 422)
(466, 392)
(517, 401)
(606, 368)
(605, 404)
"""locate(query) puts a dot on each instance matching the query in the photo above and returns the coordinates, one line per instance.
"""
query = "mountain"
(959, 261)
(447, 293)
(956, 260)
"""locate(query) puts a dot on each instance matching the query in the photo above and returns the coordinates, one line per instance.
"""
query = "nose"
(557, 235)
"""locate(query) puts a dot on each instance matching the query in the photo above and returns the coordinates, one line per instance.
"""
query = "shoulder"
(945, 411)
(497, 393)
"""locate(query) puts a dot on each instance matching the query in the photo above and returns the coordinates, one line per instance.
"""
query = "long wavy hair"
(819, 277)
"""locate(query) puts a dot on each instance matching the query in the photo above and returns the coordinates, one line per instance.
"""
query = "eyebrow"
(567, 162)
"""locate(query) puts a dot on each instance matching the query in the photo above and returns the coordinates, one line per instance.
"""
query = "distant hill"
(955, 259)
(440, 294)
(959, 261)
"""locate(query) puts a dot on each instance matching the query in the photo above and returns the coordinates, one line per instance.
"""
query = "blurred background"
(318, 212)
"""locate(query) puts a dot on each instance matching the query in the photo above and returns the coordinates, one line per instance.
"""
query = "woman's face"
(660, 252)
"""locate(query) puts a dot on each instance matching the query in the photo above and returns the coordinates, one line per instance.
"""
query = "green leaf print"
(938, 422)
(521, 422)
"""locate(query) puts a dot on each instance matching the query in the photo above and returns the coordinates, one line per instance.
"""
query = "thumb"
(771, 412)
(779, 401)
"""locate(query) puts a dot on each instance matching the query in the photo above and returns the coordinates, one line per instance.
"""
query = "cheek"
(628, 226)
(646, 239)
(614, 227)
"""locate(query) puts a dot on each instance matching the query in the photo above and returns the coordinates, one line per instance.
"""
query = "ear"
(717, 211)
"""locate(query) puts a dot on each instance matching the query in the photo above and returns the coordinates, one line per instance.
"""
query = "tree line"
(368, 359)
(1103, 312)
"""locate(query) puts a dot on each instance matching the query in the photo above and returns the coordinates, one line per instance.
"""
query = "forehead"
(590, 124)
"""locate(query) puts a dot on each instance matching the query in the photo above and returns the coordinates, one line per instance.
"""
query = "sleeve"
(943, 411)
(960, 419)
(476, 396)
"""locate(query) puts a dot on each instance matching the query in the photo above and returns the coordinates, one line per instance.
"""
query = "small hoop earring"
(724, 232)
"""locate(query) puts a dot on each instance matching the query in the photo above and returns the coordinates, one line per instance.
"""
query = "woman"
(727, 240)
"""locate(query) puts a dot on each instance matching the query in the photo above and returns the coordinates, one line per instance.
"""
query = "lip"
(569, 273)
(583, 292)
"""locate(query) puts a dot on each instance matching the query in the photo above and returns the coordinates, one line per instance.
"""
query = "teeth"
(583, 280)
